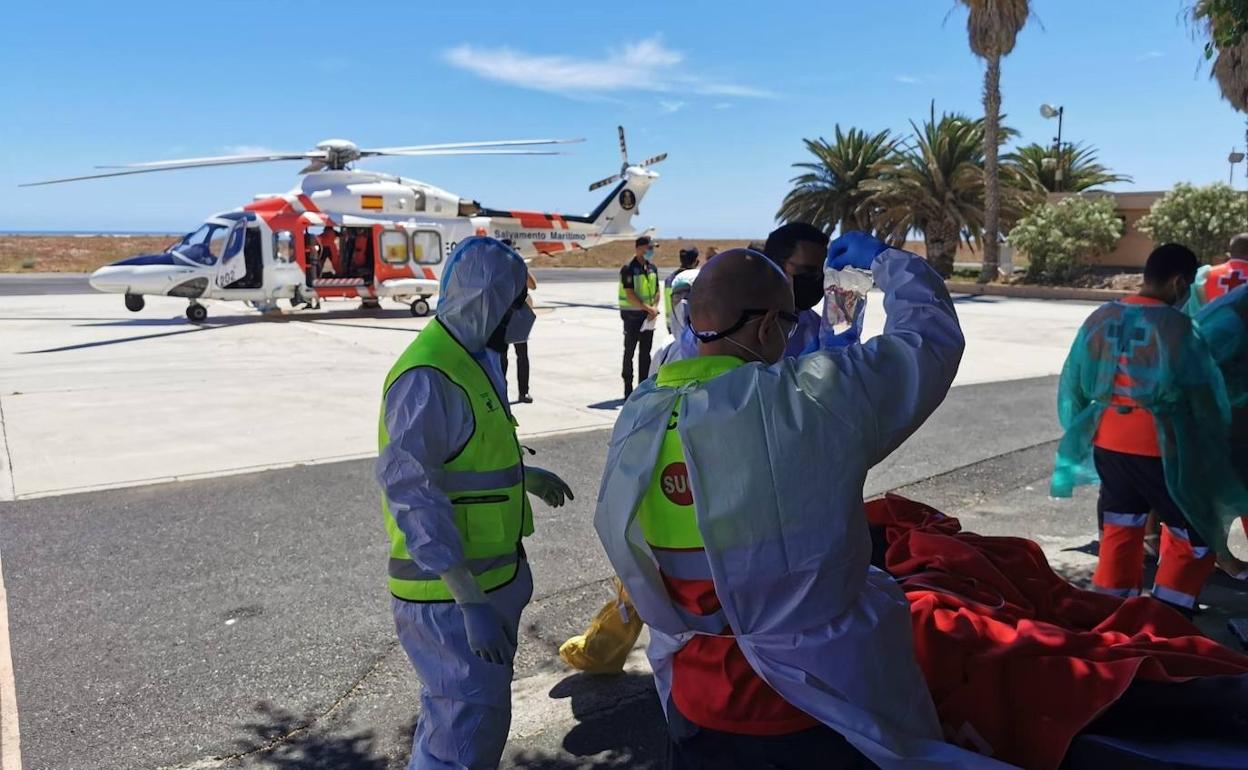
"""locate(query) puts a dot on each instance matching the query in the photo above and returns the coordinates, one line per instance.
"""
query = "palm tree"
(1036, 165)
(992, 27)
(1225, 23)
(937, 188)
(830, 193)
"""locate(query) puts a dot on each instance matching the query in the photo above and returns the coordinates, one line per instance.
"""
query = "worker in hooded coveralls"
(1145, 413)
(455, 507)
(731, 508)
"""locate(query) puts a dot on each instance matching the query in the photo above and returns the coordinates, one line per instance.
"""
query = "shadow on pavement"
(979, 299)
(618, 724)
(614, 403)
(102, 343)
(279, 739)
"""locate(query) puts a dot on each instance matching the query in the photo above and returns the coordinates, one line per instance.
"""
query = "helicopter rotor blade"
(605, 182)
(470, 145)
(174, 166)
(651, 161)
(437, 153)
(219, 160)
(623, 147)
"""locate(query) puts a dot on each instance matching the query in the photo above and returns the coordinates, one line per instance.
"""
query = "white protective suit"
(465, 701)
(777, 457)
(682, 344)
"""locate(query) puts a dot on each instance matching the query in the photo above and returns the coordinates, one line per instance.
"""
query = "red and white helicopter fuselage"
(346, 233)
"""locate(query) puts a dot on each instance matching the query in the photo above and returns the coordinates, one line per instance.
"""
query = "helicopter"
(348, 233)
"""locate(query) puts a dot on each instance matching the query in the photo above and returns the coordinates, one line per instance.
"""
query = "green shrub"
(1059, 237)
(1201, 218)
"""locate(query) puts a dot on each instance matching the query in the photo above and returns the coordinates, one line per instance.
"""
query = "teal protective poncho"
(1223, 324)
(1171, 373)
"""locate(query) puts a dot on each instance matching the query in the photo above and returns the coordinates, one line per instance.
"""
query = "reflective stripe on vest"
(484, 480)
(670, 525)
(1225, 278)
(645, 286)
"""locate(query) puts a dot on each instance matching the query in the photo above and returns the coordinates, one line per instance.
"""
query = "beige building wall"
(1134, 247)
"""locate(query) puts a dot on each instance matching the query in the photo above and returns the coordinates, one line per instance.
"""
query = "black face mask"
(807, 290)
(498, 338)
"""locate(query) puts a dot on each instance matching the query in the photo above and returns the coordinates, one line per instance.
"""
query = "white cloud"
(670, 106)
(646, 65)
(721, 106)
(1149, 56)
(907, 79)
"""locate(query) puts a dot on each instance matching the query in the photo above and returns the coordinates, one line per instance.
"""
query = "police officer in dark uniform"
(639, 296)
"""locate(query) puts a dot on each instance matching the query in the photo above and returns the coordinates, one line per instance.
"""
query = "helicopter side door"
(232, 266)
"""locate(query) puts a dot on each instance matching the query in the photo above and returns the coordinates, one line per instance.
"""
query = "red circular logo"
(674, 481)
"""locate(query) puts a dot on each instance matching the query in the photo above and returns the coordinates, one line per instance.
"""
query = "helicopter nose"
(110, 278)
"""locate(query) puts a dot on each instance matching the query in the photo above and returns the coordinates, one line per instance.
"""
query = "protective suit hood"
(680, 315)
(481, 280)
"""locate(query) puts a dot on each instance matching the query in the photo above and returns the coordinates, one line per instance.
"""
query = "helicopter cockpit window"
(427, 247)
(205, 245)
(394, 247)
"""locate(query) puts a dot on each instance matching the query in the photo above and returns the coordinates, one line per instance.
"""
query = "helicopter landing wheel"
(196, 313)
(420, 308)
(135, 302)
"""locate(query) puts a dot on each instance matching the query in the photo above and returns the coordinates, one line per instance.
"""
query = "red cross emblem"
(1232, 280)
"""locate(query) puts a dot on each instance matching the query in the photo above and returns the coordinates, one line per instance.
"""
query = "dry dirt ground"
(72, 254)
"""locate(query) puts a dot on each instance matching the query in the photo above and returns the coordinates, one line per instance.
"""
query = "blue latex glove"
(488, 634)
(854, 249)
(550, 488)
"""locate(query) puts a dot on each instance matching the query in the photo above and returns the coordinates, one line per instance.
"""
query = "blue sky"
(728, 92)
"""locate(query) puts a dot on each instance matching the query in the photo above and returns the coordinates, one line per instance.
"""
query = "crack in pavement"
(274, 743)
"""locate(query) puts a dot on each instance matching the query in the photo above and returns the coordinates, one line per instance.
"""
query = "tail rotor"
(625, 164)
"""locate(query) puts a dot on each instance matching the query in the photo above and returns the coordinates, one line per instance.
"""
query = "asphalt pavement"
(22, 284)
(243, 621)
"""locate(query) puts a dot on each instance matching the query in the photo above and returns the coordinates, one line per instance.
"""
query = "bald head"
(734, 281)
(730, 284)
(1239, 247)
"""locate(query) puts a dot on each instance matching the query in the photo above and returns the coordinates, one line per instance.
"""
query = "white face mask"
(680, 315)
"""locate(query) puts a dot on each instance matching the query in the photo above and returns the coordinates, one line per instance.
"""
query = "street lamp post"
(1233, 158)
(1049, 111)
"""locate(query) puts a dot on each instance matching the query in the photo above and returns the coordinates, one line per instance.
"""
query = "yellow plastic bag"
(611, 635)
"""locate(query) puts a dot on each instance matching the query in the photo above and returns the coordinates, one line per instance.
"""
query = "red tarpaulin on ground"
(1017, 659)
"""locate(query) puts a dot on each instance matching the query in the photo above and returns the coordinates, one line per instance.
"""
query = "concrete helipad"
(92, 396)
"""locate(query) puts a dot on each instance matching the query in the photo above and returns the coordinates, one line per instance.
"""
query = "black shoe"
(525, 398)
